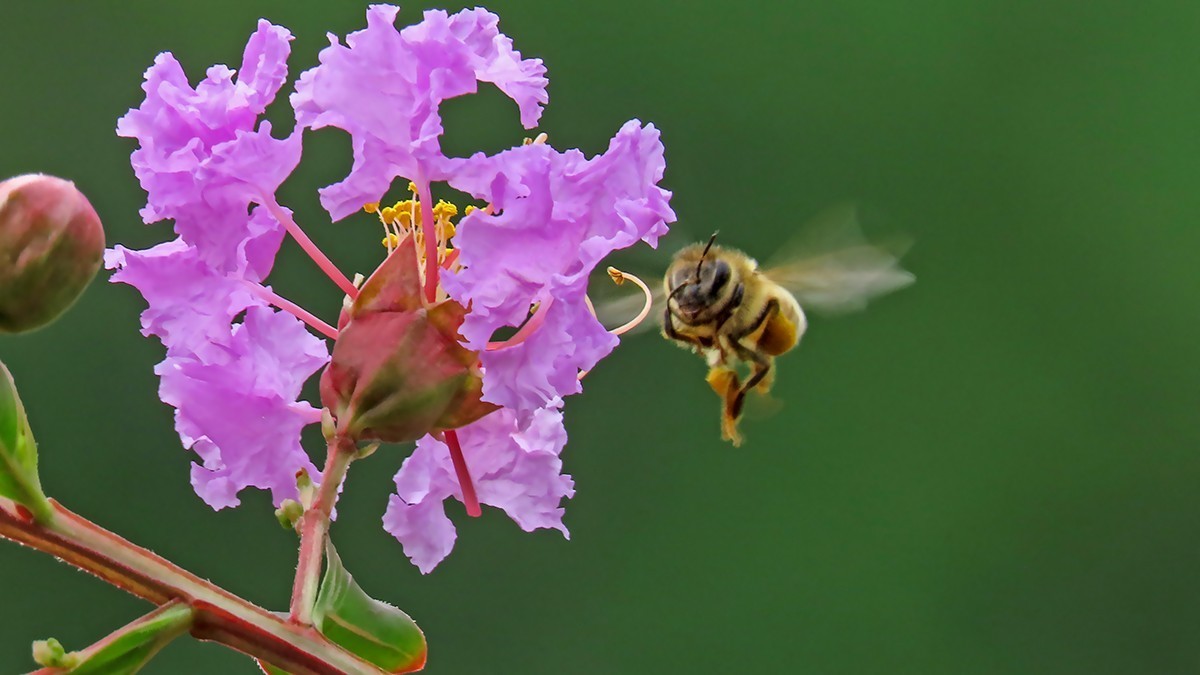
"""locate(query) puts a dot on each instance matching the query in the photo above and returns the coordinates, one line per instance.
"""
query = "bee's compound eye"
(681, 276)
(715, 274)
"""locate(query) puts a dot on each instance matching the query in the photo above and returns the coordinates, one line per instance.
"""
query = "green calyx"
(397, 371)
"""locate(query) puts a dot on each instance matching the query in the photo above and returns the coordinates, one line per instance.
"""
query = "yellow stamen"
(371, 207)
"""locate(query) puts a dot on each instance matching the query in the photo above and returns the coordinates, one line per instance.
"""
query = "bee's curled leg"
(686, 341)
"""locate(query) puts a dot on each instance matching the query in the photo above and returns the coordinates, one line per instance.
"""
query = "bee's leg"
(768, 379)
(762, 370)
(670, 333)
(760, 362)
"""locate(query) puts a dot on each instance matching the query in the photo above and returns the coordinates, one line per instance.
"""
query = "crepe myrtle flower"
(414, 355)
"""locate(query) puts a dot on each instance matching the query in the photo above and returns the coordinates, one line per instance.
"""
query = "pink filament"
(632, 323)
(534, 322)
(464, 475)
(294, 309)
(429, 231)
(309, 247)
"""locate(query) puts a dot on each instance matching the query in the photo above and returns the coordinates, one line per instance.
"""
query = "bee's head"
(697, 282)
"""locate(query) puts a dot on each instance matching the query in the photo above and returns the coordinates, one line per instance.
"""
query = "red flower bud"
(397, 371)
(51, 243)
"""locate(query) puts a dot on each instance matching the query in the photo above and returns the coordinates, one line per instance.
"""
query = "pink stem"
(309, 247)
(314, 527)
(294, 309)
(220, 615)
(429, 229)
(470, 499)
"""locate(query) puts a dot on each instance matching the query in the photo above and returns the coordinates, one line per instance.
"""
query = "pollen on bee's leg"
(725, 382)
(620, 278)
(729, 429)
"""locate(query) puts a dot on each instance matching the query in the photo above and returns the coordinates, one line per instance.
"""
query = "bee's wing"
(830, 266)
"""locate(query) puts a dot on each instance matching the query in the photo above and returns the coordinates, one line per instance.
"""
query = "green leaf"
(129, 649)
(11, 412)
(18, 452)
(374, 630)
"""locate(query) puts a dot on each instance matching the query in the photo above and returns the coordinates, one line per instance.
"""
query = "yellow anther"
(470, 209)
(447, 229)
(388, 215)
(391, 241)
(412, 187)
(371, 207)
(445, 209)
(617, 275)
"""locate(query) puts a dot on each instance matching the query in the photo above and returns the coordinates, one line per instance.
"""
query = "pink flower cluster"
(235, 363)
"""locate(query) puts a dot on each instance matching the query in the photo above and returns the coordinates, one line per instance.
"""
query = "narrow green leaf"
(129, 649)
(11, 412)
(18, 452)
(374, 630)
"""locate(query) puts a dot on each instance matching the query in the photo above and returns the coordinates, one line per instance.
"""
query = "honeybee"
(722, 305)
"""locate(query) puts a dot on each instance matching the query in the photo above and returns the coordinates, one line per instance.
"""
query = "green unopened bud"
(51, 243)
(289, 513)
(50, 653)
(397, 371)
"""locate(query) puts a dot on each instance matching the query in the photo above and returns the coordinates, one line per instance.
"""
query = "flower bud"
(51, 243)
(397, 371)
(51, 654)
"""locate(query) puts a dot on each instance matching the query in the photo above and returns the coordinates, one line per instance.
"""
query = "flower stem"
(146, 635)
(220, 616)
(470, 499)
(314, 526)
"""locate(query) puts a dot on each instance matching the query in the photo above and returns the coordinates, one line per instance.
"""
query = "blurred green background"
(994, 471)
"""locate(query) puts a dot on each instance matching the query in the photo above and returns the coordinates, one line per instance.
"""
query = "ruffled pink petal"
(237, 408)
(384, 87)
(516, 467)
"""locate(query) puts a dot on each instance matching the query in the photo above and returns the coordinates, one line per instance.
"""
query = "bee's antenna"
(704, 254)
(696, 278)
